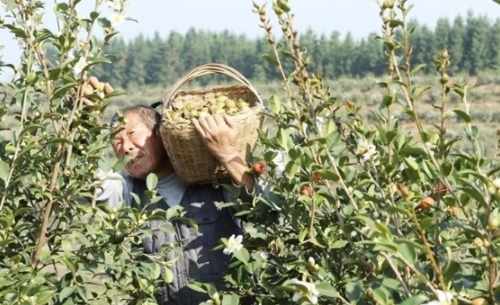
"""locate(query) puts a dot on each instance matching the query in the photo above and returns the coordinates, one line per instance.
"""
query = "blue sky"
(356, 16)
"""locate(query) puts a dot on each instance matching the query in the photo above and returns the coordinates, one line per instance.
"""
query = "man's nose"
(128, 147)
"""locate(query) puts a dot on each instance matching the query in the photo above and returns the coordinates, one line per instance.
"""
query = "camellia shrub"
(356, 213)
(362, 213)
(57, 245)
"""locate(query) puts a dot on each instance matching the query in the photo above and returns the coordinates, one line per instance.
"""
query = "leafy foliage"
(358, 213)
(363, 213)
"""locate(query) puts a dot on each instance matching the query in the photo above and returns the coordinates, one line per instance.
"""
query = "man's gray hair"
(149, 116)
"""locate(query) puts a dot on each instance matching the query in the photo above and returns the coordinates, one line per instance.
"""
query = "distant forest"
(473, 43)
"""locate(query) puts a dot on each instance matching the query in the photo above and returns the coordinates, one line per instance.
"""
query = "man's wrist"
(228, 158)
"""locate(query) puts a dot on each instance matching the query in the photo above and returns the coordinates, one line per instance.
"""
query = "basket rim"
(211, 68)
(242, 115)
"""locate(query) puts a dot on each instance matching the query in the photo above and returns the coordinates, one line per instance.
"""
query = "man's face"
(141, 144)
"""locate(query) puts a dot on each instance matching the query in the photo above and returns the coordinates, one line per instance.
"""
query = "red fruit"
(315, 178)
(441, 189)
(427, 203)
(259, 168)
(306, 190)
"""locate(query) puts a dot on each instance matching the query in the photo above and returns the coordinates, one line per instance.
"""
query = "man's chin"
(137, 174)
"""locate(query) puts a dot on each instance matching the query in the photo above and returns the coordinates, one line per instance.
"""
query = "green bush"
(364, 213)
(360, 211)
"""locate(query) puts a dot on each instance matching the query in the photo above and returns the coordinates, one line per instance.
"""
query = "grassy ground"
(484, 102)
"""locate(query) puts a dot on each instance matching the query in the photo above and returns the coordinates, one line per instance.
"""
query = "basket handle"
(205, 70)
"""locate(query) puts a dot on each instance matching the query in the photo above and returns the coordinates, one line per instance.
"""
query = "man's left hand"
(220, 135)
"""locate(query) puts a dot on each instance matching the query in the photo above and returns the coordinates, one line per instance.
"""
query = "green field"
(484, 100)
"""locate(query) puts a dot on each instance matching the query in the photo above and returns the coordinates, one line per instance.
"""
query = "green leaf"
(412, 163)
(151, 181)
(66, 292)
(338, 244)
(60, 91)
(283, 5)
(419, 90)
(327, 290)
(354, 291)
(156, 271)
(395, 23)
(416, 300)
(4, 170)
(120, 164)
(332, 139)
(328, 175)
(196, 287)
(242, 255)
(275, 104)
(44, 297)
(418, 68)
(230, 299)
(463, 115)
(270, 59)
(168, 276)
(407, 251)
(446, 168)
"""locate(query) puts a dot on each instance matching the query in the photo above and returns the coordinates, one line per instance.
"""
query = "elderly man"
(141, 141)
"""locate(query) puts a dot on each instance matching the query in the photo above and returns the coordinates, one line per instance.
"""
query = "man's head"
(140, 139)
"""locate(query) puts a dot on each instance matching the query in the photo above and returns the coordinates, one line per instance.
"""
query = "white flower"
(117, 19)
(233, 244)
(368, 151)
(264, 255)
(308, 290)
(279, 162)
(80, 65)
(444, 298)
(320, 120)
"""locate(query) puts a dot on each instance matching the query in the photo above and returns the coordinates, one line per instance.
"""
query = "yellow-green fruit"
(203, 113)
(479, 301)
(193, 114)
(232, 110)
(230, 103)
(494, 222)
(241, 103)
(101, 87)
(220, 111)
(244, 108)
(221, 99)
(190, 105)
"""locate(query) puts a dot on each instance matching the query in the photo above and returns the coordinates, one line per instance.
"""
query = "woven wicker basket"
(189, 156)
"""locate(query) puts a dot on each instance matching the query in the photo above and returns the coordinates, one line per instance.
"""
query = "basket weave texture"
(192, 161)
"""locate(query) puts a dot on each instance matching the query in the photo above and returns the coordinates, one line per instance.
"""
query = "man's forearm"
(238, 170)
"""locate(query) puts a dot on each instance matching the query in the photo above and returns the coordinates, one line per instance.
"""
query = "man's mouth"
(135, 160)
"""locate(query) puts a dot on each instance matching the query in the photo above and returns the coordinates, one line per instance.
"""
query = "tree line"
(472, 41)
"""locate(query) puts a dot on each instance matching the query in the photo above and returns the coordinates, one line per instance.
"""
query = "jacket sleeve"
(114, 189)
